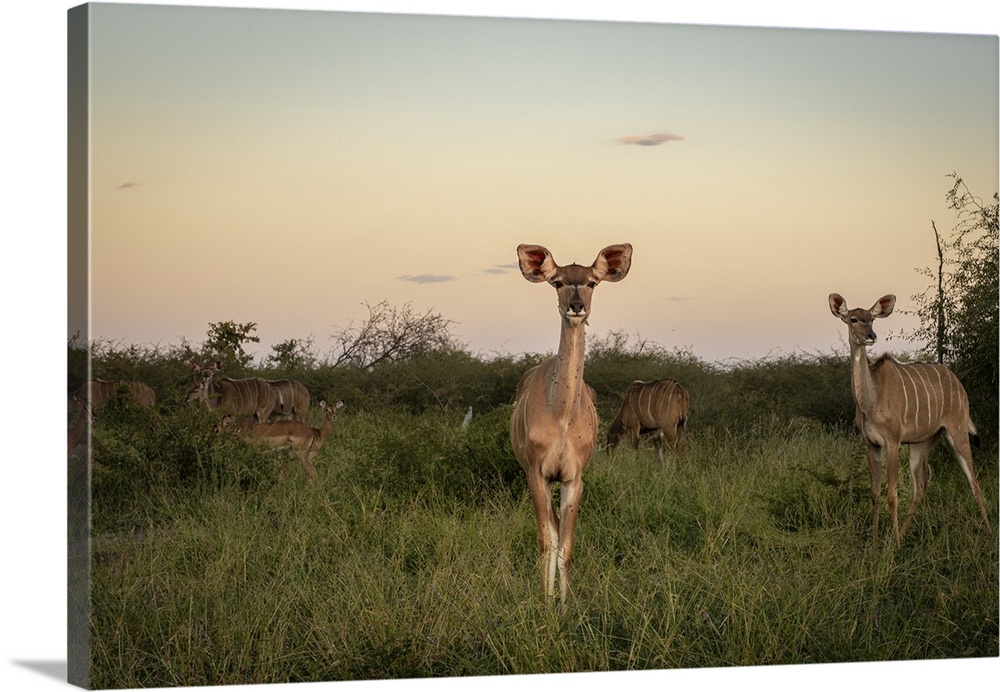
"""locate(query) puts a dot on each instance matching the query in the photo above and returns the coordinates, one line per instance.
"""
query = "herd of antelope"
(553, 428)
(272, 413)
(553, 425)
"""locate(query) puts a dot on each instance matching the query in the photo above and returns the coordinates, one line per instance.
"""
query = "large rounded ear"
(536, 263)
(613, 262)
(883, 307)
(838, 306)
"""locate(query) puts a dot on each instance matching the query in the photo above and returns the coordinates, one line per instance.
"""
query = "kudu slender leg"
(920, 475)
(658, 445)
(547, 524)
(964, 453)
(570, 494)
(875, 469)
(892, 490)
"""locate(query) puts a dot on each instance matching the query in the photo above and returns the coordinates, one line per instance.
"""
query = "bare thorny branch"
(391, 334)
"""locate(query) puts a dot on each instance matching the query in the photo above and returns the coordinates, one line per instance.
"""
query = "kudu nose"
(576, 306)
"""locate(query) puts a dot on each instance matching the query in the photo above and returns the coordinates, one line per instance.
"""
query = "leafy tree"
(291, 355)
(959, 311)
(226, 341)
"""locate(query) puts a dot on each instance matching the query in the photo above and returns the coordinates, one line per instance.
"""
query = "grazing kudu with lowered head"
(98, 392)
(292, 400)
(553, 427)
(658, 408)
(903, 404)
(298, 437)
(249, 397)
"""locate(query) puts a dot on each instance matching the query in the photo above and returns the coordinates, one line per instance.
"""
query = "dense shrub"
(431, 453)
(140, 452)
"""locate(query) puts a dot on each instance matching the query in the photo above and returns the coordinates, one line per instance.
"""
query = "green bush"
(432, 453)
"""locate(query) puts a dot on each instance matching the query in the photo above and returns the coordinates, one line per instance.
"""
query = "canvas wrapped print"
(411, 346)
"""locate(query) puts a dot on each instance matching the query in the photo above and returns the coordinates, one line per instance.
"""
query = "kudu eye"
(557, 284)
(591, 284)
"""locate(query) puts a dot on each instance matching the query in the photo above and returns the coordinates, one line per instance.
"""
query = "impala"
(658, 408)
(292, 399)
(553, 427)
(250, 397)
(240, 426)
(903, 404)
(298, 437)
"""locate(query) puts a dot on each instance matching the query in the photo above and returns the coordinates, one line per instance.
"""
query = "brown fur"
(659, 409)
(292, 400)
(298, 437)
(245, 397)
(904, 404)
(553, 428)
(99, 392)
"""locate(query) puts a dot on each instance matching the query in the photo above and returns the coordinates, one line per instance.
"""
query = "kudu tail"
(974, 434)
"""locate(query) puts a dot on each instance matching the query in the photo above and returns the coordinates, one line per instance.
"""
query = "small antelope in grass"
(298, 437)
(553, 428)
(658, 408)
(904, 404)
(231, 424)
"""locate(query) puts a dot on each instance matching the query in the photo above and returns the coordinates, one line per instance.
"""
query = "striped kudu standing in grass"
(658, 408)
(292, 400)
(553, 428)
(99, 392)
(248, 397)
(904, 404)
(80, 433)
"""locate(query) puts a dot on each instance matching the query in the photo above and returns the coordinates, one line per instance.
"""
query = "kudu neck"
(862, 381)
(566, 384)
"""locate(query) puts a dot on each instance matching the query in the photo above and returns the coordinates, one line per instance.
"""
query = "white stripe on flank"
(906, 397)
(940, 390)
(921, 394)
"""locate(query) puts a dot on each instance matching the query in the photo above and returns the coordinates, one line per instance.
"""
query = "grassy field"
(414, 555)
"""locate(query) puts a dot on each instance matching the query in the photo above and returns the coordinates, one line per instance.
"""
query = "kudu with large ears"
(553, 428)
(903, 403)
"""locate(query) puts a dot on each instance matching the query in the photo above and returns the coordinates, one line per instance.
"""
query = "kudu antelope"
(79, 434)
(99, 392)
(297, 437)
(658, 408)
(903, 404)
(250, 397)
(553, 427)
(292, 399)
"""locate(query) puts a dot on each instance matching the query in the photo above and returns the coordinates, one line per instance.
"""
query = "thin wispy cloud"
(128, 184)
(427, 278)
(501, 268)
(653, 140)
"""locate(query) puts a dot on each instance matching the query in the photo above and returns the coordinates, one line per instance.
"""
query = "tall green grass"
(414, 555)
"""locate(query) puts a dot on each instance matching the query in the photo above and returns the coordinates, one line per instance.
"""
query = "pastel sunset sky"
(287, 167)
(348, 152)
